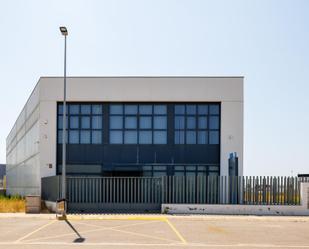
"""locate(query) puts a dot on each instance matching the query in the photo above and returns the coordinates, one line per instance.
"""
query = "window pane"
(73, 137)
(191, 109)
(179, 122)
(158, 174)
(201, 168)
(202, 109)
(214, 168)
(191, 137)
(60, 137)
(179, 137)
(60, 109)
(85, 109)
(159, 137)
(115, 137)
(60, 124)
(190, 173)
(160, 109)
(145, 123)
(116, 109)
(202, 123)
(202, 137)
(190, 122)
(192, 168)
(74, 122)
(85, 123)
(213, 137)
(96, 137)
(130, 109)
(145, 137)
(97, 122)
(85, 137)
(145, 109)
(214, 109)
(74, 109)
(201, 173)
(159, 122)
(161, 168)
(147, 167)
(179, 109)
(116, 122)
(179, 173)
(130, 122)
(96, 109)
(213, 122)
(179, 168)
(130, 137)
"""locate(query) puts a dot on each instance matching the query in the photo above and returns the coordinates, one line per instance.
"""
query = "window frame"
(138, 116)
(79, 115)
(181, 133)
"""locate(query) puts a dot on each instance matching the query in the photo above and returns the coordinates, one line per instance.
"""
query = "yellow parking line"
(176, 231)
(143, 235)
(72, 217)
(33, 232)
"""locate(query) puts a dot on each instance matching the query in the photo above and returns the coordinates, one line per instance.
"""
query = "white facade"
(31, 144)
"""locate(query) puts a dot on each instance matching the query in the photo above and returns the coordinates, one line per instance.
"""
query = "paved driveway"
(154, 231)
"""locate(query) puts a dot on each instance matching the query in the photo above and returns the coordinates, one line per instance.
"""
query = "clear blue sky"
(266, 41)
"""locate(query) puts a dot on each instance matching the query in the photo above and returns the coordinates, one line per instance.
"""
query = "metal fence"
(114, 189)
(148, 193)
(256, 190)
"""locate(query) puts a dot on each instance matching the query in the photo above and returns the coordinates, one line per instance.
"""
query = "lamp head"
(63, 31)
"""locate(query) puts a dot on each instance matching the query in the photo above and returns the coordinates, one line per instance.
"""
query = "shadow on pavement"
(80, 239)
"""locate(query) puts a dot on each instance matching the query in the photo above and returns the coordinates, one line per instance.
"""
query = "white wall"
(48, 139)
(231, 133)
(167, 89)
(23, 174)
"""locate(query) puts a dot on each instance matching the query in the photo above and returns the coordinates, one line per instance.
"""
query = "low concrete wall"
(302, 209)
(233, 209)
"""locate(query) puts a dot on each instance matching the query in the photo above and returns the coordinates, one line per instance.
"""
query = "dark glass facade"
(141, 139)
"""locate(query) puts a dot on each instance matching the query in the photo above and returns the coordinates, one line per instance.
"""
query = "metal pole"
(64, 125)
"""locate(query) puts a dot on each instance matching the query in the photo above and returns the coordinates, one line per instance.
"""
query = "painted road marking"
(144, 235)
(73, 217)
(88, 231)
(158, 244)
(102, 228)
(160, 218)
(129, 232)
(176, 231)
(35, 231)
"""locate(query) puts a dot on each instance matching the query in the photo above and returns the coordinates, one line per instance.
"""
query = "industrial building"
(127, 126)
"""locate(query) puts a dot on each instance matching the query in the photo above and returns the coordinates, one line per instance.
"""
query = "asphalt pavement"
(152, 231)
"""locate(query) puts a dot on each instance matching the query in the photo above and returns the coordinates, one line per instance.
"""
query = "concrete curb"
(157, 217)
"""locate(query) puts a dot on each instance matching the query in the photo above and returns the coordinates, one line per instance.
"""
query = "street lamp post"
(64, 32)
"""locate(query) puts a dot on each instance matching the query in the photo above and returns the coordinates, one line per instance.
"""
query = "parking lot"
(154, 231)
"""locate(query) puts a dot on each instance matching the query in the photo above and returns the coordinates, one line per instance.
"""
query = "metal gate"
(114, 194)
